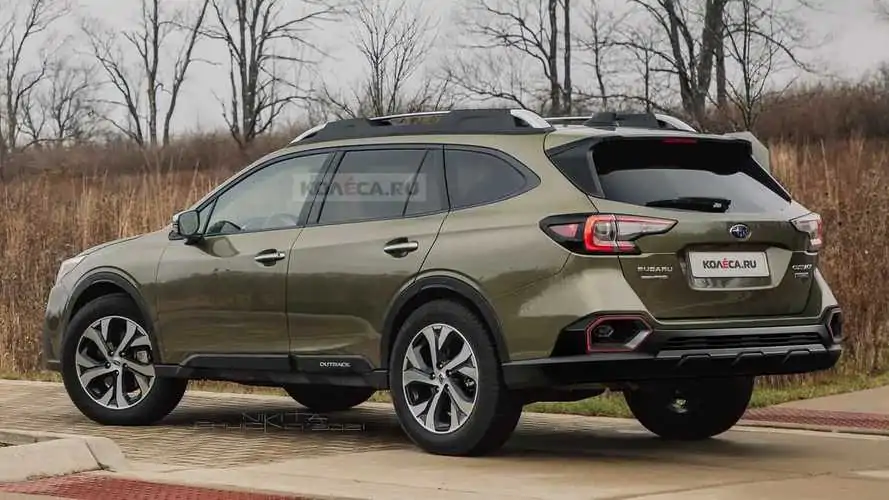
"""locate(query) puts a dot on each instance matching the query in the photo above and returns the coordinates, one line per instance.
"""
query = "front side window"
(271, 198)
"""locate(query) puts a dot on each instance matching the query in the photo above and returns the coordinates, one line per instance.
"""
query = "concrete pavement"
(875, 401)
(267, 443)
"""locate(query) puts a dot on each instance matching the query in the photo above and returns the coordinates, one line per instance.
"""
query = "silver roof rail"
(671, 121)
(312, 131)
(675, 122)
(529, 117)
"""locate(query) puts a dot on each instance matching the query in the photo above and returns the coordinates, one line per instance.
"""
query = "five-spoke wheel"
(440, 378)
(446, 382)
(114, 362)
(108, 367)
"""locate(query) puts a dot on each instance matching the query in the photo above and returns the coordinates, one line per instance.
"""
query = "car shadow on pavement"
(537, 435)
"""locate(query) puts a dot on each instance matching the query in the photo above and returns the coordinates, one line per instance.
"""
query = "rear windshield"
(652, 171)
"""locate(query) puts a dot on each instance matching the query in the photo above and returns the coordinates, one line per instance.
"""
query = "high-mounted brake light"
(679, 140)
(603, 234)
(812, 225)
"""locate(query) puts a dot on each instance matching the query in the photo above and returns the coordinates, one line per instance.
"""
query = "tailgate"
(734, 250)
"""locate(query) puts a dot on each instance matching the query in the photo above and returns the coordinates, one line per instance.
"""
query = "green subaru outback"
(469, 262)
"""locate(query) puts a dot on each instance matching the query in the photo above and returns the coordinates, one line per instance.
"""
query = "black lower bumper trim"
(637, 366)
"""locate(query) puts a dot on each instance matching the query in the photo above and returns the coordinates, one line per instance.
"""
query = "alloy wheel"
(440, 378)
(115, 363)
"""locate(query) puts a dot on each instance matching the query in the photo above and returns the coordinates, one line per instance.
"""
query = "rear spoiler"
(760, 151)
(610, 119)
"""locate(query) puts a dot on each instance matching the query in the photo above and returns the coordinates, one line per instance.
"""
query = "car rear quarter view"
(469, 262)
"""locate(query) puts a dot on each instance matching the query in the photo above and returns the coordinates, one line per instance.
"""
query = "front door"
(225, 294)
(368, 240)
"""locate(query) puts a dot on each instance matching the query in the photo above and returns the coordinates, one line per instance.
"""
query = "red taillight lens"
(811, 224)
(603, 233)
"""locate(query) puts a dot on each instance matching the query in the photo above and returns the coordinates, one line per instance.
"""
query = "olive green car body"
(338, 296)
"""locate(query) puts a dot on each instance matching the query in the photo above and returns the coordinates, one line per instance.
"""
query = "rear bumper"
(655, 362)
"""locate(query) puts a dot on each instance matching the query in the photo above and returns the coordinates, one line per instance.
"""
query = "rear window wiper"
(698, 203)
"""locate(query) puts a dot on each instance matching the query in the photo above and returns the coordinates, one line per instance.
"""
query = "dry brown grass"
(103, 194)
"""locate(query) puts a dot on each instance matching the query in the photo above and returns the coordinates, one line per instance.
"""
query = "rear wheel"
(328, 398)
(446, 384)
(691, 410)
(108, 361)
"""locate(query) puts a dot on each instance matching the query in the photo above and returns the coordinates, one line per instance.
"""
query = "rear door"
(366, 241)
(733, 251)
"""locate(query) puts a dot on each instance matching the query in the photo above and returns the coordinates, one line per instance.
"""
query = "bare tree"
(261, 36)
(762, 40)
(702, 42)
(62, 108)
(145, 123)
(686, 54)
(519, 41)
(599, 50)
(394, 42)
(23, 26)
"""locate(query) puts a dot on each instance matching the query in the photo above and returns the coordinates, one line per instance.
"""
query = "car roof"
(474, 126)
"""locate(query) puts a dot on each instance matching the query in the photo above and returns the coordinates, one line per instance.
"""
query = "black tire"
(710, 408)
(329, 398)
(160, 400)
(496, 412)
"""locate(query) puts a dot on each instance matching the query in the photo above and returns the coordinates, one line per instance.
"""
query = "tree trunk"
(555, 90)
(567, 88)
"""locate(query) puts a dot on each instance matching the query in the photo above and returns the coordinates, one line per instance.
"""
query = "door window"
(271, 198)
(428, 195)
(371, 185)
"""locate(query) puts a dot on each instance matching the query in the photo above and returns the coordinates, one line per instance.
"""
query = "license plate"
(728, 264)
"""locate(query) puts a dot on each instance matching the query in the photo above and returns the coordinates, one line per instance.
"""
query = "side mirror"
(187, 225)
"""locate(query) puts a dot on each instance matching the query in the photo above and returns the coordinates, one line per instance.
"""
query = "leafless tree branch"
(260, 37)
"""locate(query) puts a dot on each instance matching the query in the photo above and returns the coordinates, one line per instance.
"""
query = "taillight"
(603, 234)
(811, 224)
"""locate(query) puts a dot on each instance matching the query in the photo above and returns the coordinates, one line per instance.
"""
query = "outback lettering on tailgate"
(729, 264)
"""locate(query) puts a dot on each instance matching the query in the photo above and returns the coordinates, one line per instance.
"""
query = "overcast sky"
(857, 42)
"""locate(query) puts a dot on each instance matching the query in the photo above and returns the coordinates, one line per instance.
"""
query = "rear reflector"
(603, 234)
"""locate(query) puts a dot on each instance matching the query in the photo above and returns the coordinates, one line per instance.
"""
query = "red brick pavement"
(102, 487)
(821, 418)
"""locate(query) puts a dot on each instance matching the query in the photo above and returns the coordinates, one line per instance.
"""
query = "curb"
(47, 454)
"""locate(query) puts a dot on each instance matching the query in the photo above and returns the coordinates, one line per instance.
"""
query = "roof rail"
(459, 121)
(612, 119)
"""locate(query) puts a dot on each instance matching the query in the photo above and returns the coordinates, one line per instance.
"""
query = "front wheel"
(108, 361)
(446, 384)
(692, 410)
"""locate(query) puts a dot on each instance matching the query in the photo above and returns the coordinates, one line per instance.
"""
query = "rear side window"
(476, 178)
(654, 172)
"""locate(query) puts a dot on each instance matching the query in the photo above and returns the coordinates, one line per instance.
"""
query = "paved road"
(263, 442)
